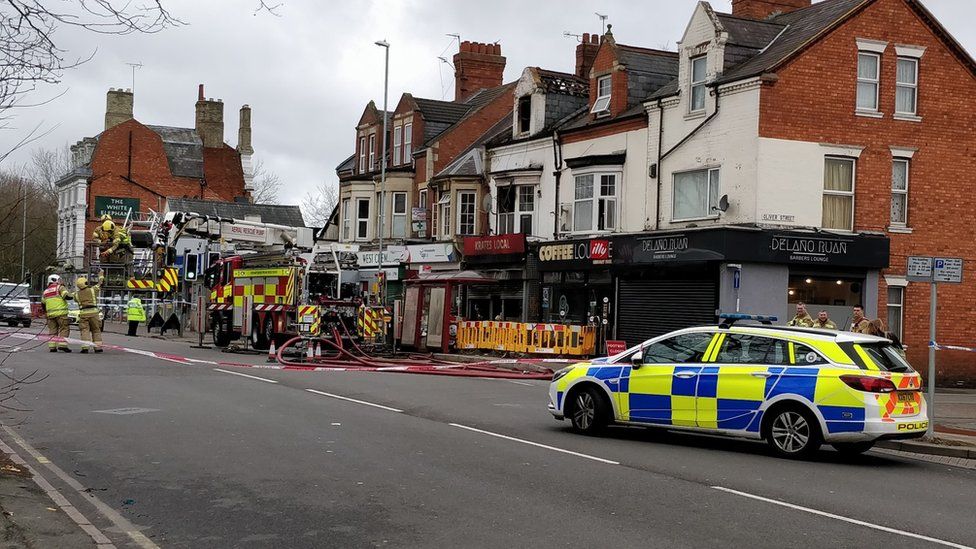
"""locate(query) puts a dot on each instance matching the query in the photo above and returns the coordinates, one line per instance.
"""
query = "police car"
(795, 388)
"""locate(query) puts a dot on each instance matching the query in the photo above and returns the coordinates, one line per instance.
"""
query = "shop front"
(501, 258)
(668, 281)
(576, 282)
(382, 283)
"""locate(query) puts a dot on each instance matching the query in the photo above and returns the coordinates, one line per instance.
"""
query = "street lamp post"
(386, 86)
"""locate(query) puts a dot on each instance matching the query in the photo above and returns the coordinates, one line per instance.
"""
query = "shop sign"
(431, 253)
(672, 247)
(503, 244)
(115, 206)
(809, 249)
(392, 255)
(583, 253)
(419, 214)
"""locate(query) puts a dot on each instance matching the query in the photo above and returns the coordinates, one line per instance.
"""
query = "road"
(198, 456)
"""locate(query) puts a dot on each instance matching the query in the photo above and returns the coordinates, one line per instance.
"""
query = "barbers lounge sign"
(581, 254)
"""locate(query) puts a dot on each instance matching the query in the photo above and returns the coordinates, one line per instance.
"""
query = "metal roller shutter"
(649, 308)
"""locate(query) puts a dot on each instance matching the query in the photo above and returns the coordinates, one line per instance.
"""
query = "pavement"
(158, 452)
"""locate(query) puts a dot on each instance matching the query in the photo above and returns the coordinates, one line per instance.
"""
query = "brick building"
(131, 167)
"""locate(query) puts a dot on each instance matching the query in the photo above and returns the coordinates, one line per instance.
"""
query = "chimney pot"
(200, 93)
(586, 38)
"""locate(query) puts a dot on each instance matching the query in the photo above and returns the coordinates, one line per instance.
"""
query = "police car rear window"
(886, 356)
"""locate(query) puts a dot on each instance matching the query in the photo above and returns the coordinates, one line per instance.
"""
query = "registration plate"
(906, 397)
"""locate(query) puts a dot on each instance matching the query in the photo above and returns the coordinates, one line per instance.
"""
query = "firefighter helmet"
(53, 279)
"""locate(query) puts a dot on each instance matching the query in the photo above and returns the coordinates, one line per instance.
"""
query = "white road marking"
(521, 383)
(111, 514)
(536, 444)
(844, 519)
(363, 402)
(245, 375)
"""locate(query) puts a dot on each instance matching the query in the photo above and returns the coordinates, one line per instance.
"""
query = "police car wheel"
(853, 448)
(588, 411)
(793, 432)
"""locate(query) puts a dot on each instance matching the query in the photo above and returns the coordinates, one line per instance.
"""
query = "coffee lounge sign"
(579, 254)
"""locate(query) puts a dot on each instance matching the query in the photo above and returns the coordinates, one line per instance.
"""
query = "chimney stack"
(210, 120)
(477, 66)
(586, 54)
(244, 132)
(764, 9)
(118, 107)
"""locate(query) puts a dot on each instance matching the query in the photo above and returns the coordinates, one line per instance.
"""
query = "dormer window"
(602, 104)
(698, 71)
(372, 151)
(362, 155)
(524, 113)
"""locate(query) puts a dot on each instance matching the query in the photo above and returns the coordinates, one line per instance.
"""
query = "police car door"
(660, 387)
(739, 373)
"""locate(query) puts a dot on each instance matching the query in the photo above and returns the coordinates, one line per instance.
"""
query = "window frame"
(596, 224)
(346, 219)
(444, 217)
(601, 105)
(362, 154)
(900, 306)
(461, 213)
(913, 86)
(397, 144)
(695, 84)
(850, 193)
(709, 213)
(876, 82)
(524, 119)
(408, 143)
(394, 214)
(372, 152)
(900, 192)
(362, 223)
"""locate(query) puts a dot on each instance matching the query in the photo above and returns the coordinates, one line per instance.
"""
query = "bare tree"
(318, 205)
(266, 185)
(29, 54)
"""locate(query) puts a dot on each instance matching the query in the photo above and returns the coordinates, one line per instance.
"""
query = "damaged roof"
(290, 216)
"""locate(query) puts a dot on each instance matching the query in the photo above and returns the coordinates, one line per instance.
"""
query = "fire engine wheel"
(259, 334)
(221, 336)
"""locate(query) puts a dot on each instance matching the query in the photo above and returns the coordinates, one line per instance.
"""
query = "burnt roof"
(563, 83)
(290, 216)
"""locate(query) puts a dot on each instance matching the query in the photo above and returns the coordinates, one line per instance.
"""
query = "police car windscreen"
(887, 357)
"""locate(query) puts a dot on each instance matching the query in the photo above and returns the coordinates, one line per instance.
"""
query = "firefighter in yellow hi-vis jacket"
(88, 321)
(55, 305)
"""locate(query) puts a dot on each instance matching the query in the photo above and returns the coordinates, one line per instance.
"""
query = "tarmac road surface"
(192, 455)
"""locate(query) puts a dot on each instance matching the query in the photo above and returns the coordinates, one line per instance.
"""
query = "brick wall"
(814, 101)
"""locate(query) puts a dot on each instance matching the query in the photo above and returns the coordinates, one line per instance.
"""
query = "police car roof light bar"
(728, 319)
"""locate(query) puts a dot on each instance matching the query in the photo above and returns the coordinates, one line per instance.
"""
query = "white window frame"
(697, 84)
(422, 199)
(901, 192)
(714, 178)
(401, 215)
(346, 219)
(850, 193)
(362, 154)
(362, 223)
(444, 214)
(408, 143)
(461, 213)
(593, 226)
(372, 152)
(397, 144)
(602, 104)
(901, 309)
(909, 86)
(527, 100)
(876, 82)
(521, 210)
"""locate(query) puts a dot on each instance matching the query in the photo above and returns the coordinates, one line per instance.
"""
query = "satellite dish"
(723, 203)
(486, 203)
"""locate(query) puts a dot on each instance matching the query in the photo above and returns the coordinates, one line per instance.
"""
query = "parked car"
(74, 310)
(796, 388)
(15, 307)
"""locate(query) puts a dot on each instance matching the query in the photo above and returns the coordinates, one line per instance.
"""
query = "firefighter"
(105, 232)
(823, 321)
(54, 300)
(802, 318)
(88, 321)
(121, 242)
(135, 314)
(859, 324)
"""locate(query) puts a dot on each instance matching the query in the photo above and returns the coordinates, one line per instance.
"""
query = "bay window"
(595, 202)
(838, 196)
(695, 194)
(346, 219)
(444, 214)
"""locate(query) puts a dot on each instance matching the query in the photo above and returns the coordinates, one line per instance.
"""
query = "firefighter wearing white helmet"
(88, 321)
(54, 300)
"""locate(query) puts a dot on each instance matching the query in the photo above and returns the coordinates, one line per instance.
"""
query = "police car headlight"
(561, 373)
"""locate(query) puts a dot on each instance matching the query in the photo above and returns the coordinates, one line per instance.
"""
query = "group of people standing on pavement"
(859, 324)
(55, 303)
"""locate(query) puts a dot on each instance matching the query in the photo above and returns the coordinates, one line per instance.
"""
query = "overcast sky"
(308, 72)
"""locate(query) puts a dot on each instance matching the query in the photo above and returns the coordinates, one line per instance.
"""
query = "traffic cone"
(318, 350)
(309, 350)
(272, 353)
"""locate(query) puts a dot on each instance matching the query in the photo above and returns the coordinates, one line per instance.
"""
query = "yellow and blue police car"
(796, 388)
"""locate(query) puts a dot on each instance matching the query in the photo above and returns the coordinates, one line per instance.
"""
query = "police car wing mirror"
(637, 359)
